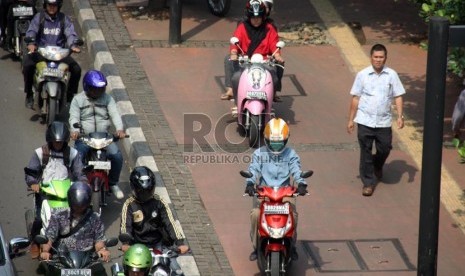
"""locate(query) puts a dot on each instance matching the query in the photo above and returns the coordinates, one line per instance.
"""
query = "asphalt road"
(20, 134)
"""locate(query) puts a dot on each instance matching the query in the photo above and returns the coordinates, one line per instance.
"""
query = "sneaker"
(253, 256)
(29, 102)
(117, 191)
(34, 250)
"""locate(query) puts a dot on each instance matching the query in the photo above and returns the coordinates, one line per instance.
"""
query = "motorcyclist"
(47, 159)
(7, 21)
(50, 27)
(95, 110)
(255, 35)
(147, 217)
(77, 227)
(273, 165)
(137, 260)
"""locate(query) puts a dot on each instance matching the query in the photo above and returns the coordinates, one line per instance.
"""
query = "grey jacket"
(94, 115)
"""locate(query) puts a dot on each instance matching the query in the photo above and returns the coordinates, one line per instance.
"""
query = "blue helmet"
(94, 78)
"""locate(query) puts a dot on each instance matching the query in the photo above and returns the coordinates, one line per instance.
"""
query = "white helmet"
(268, 4)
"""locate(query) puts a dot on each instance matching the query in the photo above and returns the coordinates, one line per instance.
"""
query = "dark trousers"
(382, 137)
(29, 65)
(37, 224)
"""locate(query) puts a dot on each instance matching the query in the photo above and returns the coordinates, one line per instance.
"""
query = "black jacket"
(150, 222)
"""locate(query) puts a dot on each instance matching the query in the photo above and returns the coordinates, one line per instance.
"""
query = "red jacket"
(266, 47)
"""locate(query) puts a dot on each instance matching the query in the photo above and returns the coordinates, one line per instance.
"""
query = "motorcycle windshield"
(80, 259)
(53, 53)
(99, 140)
(57, 188)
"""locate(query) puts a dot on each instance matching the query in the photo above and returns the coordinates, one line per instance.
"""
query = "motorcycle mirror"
(32, 172)
(111, 242)
(41, 239)
(125, 237)
(234, 40)
(246, 174)
(78, 42)
(17, 246)
(77, 125)
(306, 174)
(280, 44)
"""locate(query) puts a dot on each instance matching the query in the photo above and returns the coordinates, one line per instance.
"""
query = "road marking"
(451, 193)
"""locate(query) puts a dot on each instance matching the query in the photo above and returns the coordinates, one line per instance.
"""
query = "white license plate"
(76, 272)
(256, 95)
(277, 209)
(23, 11)
(52, 72)
(101, 165)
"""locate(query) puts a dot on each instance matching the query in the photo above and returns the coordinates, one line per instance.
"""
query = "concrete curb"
(136, 147)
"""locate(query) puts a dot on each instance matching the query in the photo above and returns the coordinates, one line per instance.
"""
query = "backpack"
(42, 22)
(46, 156)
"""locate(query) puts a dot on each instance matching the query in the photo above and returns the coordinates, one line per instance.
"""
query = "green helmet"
(137, 258)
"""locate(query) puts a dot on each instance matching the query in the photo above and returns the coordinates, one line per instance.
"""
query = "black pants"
(4, 6)
(382, 137)
(29, 65)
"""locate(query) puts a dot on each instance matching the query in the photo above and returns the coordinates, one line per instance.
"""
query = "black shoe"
(294, 254)
(29, 102)
(253, 256)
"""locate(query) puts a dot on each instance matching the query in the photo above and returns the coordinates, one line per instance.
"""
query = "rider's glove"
(250, 190)
(302, 189)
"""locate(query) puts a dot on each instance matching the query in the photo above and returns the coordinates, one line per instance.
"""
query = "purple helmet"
(94, 78)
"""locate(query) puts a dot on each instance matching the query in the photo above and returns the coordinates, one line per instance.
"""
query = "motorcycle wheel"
(219, 7)
(29, 216)
(254, 131)
(95, 201)
(52, 110)
(275, 264)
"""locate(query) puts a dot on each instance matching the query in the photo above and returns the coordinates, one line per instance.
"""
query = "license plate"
(52, 72)
(277, 209)
(101, 165)
(76, 272)
(256, 95)
(23, 11)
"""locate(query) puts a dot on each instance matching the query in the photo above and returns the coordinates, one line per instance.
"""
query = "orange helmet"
(276, 135)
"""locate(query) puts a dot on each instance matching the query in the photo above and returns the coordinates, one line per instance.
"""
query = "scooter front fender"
(255, 107)
(52, 88)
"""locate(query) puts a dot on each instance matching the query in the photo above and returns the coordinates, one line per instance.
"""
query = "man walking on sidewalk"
(372, 93)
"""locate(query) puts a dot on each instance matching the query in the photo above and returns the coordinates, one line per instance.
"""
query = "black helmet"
(59, 3)
(57, 132)
(255, 8)
(142, 181)
(79, 195)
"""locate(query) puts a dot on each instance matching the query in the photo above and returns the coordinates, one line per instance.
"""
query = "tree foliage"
(454, 10)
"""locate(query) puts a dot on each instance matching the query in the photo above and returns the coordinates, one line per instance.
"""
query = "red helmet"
(255, 8)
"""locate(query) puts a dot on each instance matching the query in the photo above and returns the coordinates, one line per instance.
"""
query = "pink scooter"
(255, 93)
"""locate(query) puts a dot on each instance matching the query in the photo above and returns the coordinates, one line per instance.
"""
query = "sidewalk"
(162, 81)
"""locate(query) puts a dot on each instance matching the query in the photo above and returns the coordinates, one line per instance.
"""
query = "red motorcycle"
(276, 227)
(97, 158)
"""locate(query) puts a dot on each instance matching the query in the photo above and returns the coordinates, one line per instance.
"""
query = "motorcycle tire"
(95, 201)
(254, 131)
(29, 217)
(51, 110)
(275, 264)
(219, 7)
